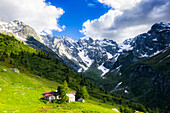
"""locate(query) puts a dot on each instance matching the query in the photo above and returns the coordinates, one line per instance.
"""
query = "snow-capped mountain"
(87, 52)
(104, 53)
(150, 43)
(156, 40)
(142, 69)
(84, 52)
(18, 29)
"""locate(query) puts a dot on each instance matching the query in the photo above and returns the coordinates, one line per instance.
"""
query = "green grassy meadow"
(22, 93)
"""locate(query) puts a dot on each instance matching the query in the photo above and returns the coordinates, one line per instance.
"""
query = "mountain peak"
(19, 22)
(160, 27)
(19, 29)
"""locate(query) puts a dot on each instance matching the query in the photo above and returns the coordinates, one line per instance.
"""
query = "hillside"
(145, 81)
(39, 72)
(20, 92)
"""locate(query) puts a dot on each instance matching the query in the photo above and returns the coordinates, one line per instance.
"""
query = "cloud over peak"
(127, 19)
(42, 16)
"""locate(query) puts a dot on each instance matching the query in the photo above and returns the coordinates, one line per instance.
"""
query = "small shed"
(51, 95)
(81, 100)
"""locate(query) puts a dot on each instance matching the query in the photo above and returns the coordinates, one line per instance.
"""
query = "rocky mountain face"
(84, 52)
(145, 45)
(152, 42)
(102, 54)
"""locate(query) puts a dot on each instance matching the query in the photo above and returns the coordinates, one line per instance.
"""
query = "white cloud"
(130, 32)
(120, 4)
(127, 19)
(98, 27)
(36, 13)
(63, 27)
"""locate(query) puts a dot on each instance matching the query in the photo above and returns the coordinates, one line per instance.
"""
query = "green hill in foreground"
(21, 93)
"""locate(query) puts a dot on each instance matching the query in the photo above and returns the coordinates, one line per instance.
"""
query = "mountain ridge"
(85, 52)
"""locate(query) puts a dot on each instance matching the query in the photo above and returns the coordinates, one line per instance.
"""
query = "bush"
(128, 110)
(104, 100)
(121, 108)
(55, 101)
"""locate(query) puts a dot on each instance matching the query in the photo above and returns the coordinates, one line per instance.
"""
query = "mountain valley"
(138, 68)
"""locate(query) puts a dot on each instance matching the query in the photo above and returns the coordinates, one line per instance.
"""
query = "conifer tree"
(85, 92)
(62, 90)
(82, 93)
(65, 84)
(78, 93)
(67, 79)
(2, 58)
(10, 62)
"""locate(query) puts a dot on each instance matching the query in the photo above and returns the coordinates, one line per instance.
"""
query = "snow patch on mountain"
(83, 68)
(116, 87)
(126, 91)
(103, 69)
(163, 24)
(125, 47)
(85, 58)
(109, 55)
(145, 54)
(157, 52)
(7, 28)
(155, 39)
(116, 56)
(118, 68)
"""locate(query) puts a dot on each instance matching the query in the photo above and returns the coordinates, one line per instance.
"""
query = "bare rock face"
(83, 53)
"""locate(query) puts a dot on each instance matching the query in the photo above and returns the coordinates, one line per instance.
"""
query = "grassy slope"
(21, 93)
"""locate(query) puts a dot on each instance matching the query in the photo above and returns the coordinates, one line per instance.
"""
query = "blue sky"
(99, 19)
(76, 13)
